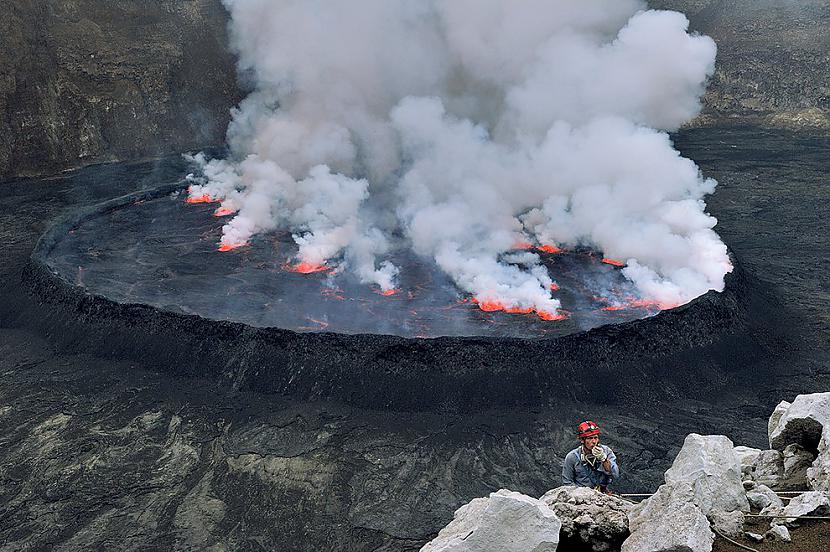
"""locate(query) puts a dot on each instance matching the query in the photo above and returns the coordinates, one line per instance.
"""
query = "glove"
(599, 453)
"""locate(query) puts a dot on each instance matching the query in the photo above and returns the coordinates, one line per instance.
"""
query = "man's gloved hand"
(599, 453)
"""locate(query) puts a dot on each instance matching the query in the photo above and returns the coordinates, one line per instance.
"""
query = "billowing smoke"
(469, 126)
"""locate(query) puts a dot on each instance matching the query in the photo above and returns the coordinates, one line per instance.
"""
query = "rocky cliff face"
(772, 60)
(84, 81)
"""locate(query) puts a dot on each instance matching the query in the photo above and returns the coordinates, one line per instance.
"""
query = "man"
(591, 464)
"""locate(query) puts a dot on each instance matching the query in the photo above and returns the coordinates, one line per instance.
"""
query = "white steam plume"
(489, 123)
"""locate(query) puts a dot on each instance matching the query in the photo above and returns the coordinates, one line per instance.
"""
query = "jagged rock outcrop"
(768, 468)
(771, 60)
(747, 456)
(506, 521)
(760, 496)
(91, 80)
(590, 519)
(806, 424)
(812, 503)
(709, 464)
(703, 482)
(669, 520)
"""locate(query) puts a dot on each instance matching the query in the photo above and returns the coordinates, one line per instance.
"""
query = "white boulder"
(708, 463)
(802, 422)
(806, 422)
(779, 532)
(590, 519)
(754, 536)
(819, 473)
(775, 418)
(730, 524)
(506, 521)
(747, 456)
(669, 521)
(761, 496)
(812, 503)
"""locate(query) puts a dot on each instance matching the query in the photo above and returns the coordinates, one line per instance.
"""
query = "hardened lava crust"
(687, 351)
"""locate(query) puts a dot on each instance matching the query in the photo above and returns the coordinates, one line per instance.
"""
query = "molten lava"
(306, 268)
(204, 198)
(489, 305)
(223, 212)
(386, 292)
(549, 248)
(613, 262)
(560, 315)
(554, 286)
(229, 246)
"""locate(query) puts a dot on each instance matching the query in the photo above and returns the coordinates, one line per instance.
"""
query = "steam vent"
(143, 275)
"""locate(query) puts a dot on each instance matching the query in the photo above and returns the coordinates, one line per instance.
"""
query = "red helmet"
(587, 429)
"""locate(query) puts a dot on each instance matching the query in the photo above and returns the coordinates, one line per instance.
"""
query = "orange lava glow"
(613, 262)
(549, 248)
(544, 315)
(494, 306)
(522, 245)
(204, 198)
(229, 246)
(386, 292)
(554, 286)
(307, 268)
(223, 212)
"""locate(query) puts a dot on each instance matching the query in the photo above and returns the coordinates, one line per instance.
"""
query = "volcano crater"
(139, 276)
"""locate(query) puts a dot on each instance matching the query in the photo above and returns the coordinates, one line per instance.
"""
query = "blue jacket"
(578, 469)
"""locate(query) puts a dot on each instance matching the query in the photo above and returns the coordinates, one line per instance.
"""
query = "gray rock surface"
(590, 519)
(669, 521)
(775, 418)
(819, 473)
(815, 503)
(756, 537)
(709, 465)
(803, 422)
(747, 456)
(762, 496)
(506, 521)
(779, 532)
(769, 468)
(796, 462)
(806, 422)
(730, 524)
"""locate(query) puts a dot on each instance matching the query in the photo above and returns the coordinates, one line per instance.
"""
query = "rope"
(785, 517)
(739, 545)
(776, 492)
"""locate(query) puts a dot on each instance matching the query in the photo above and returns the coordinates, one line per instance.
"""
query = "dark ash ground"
(105, 453)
